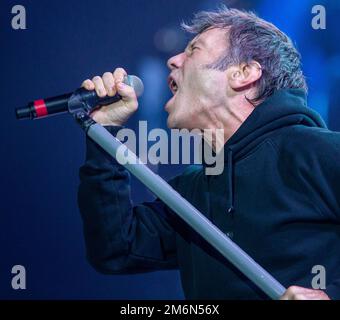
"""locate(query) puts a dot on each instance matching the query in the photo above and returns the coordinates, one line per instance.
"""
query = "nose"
(176, 62)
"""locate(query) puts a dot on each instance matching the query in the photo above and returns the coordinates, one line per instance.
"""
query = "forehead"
(211, 38)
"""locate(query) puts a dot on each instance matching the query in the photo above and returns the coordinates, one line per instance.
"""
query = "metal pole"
(184, 209)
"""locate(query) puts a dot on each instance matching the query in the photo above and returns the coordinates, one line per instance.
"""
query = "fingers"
(119, 74)
(128, 94)
(300, 293)
(108, 84)
(99, 86)
(88, 84)
(293, 293)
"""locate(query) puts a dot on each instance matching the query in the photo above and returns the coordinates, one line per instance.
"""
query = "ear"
(244, 75)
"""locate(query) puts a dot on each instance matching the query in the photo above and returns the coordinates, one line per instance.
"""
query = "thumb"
(126, 92)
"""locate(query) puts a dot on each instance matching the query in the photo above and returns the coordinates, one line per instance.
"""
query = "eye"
(190, 49)
(193, 49)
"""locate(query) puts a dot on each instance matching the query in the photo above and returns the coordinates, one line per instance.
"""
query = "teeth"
(174, 86)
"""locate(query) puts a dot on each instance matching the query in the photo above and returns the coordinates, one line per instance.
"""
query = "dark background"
(66, 42)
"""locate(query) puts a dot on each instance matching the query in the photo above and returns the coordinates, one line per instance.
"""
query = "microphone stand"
(177, 203)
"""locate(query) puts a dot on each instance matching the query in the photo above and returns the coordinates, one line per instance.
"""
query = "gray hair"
(251, 38)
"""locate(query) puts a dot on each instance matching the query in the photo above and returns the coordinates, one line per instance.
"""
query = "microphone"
(81, 97)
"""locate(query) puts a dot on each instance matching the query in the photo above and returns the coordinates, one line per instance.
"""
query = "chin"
(171, 124)
(175, 121)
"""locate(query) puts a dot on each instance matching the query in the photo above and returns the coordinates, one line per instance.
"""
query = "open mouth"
(172, 85)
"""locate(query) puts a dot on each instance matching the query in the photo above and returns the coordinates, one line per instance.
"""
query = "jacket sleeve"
(327, 177)
(120, 237)
(319, 168)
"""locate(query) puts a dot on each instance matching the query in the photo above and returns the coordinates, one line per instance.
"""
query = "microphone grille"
(136, 83)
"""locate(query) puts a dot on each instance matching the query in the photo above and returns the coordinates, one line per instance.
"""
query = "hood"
(284, 108)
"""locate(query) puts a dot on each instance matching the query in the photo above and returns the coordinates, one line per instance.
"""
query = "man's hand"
(108, 85)
(300, 293)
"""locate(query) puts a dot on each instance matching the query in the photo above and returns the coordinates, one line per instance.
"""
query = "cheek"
(213, 88)
(192, 74)
(202, 82)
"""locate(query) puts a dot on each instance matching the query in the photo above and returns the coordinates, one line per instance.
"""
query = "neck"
(224, 120)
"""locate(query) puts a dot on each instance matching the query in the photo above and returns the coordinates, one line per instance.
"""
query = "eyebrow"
(193, 42)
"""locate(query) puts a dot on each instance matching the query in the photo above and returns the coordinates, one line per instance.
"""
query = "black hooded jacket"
(278, 198)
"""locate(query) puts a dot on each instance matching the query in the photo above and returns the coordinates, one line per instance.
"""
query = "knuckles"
(96, 79)
(292, 289)
(299, 293)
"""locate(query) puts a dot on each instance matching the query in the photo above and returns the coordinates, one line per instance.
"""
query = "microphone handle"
(56, 105)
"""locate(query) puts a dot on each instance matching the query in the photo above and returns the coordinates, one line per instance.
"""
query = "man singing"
(278, 196)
